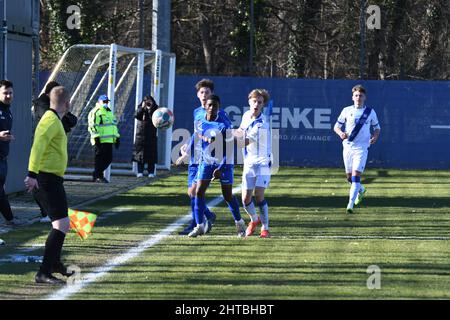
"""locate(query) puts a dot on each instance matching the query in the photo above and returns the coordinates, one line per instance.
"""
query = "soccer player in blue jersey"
(205, 89)
(356, 140)
(216, 163)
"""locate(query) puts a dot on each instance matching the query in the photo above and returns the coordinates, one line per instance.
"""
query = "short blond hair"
(59, 96)
(255, 93)
(359, 88)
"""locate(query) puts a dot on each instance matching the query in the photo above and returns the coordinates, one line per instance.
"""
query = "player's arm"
(185, 151)
(375, 127)
(375, 135)
(338, 126)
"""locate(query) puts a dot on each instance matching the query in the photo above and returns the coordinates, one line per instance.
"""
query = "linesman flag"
(82, 222)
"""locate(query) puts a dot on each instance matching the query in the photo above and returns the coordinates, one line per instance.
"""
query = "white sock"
(264, 214)
(251, 211)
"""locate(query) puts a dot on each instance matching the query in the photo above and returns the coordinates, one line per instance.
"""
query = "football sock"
(193, 207)
(251, 211)
(233, 205)
(356, 184)
(264, 214)
(52, 252)
(207, 213)
(199, 210)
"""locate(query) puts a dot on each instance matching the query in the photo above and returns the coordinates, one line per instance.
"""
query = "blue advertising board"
(414, 117)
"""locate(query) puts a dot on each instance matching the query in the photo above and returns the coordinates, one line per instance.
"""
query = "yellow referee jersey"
(49, 151)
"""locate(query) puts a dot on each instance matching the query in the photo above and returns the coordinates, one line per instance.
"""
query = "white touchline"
(68, 291)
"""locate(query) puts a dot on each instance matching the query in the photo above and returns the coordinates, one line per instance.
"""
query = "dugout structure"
(126, 75)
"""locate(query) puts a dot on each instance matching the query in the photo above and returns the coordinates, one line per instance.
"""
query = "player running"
(356, 140)
(212, 131)
(255, 138)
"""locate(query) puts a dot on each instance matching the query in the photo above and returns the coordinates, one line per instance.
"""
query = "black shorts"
(52, 196)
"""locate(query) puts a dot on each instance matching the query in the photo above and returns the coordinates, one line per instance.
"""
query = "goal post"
(125, 75)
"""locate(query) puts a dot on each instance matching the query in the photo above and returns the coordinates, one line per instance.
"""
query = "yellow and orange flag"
(82, 222)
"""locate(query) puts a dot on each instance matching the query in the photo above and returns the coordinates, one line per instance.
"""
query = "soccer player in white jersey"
(254, 136)
(361, 130)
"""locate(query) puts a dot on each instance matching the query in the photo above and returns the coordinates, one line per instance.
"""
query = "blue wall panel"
(414, 116)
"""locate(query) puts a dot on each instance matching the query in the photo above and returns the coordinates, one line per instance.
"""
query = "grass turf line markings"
(66, 292)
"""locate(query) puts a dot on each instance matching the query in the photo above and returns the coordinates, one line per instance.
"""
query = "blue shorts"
(192, 174)
(205, 172)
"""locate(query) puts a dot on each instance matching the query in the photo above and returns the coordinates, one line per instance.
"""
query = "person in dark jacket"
(145, 150)
(40, 106)
(6, 121)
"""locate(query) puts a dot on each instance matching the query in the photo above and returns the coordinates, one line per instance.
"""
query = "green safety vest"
(102, 124)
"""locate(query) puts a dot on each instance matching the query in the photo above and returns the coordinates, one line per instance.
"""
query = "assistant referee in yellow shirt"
(46, 167)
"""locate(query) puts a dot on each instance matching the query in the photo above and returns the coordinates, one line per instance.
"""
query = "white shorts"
(355, 158)
(255, 176)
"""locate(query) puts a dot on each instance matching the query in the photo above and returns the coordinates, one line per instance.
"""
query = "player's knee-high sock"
(233, 205)
(207, 213)
(356, 184)
(193, 211)
(264, 214)
(251, 211)
(199, 210)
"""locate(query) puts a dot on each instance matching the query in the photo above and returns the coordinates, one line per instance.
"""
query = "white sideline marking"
(68, 291)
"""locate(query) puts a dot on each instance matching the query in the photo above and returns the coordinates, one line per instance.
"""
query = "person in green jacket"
(46, 168)
(102, 126)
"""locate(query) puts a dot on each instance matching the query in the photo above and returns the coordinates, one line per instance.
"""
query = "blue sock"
(207, 213)
(233, 205)
(199, 210)
(193, 208)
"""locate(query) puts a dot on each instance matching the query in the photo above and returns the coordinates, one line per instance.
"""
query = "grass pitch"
(316, 251)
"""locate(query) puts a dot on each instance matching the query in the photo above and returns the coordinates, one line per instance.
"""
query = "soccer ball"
(162, 118)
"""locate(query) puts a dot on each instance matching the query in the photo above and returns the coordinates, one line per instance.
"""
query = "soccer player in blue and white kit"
(356, 140)
(215, 165)
(254, 135)
(205, 89)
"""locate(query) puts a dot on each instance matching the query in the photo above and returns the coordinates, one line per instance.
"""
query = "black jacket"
(146, 145)
(6, 121)
(42, 104)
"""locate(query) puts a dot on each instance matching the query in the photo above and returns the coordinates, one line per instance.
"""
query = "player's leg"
(248, 184)
(199, 208)
(226, 181)
(359, 157)
(192, 187)
(262, 183)
(348, 162)
(249, 207)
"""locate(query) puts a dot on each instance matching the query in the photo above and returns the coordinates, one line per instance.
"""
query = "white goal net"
(125, 75)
